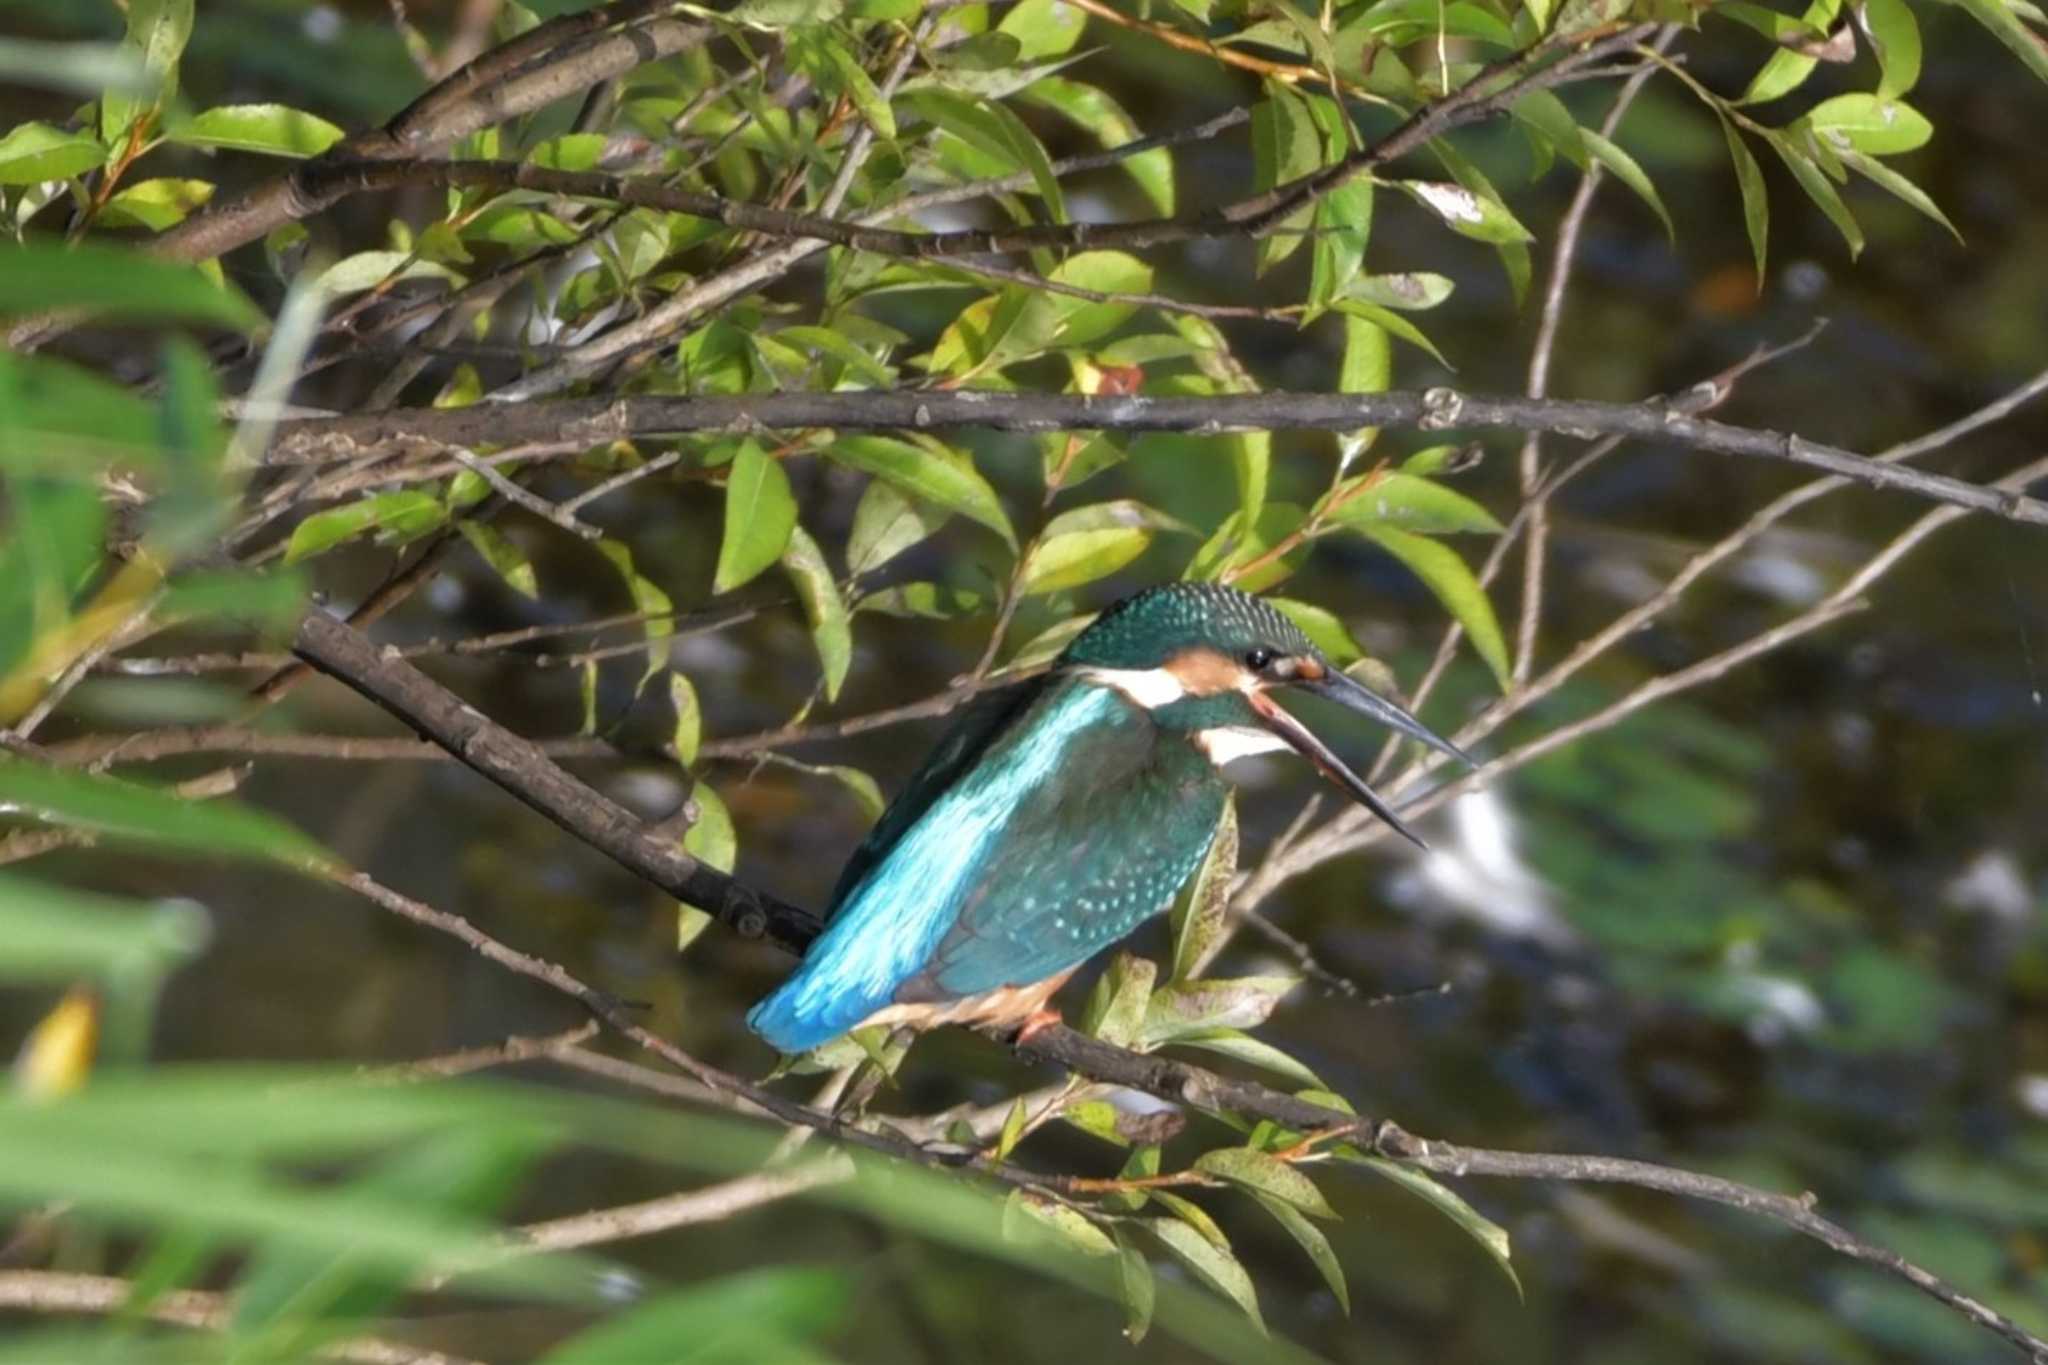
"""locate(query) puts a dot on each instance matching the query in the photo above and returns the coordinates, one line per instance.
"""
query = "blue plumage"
(1060, 813)
(905, 914)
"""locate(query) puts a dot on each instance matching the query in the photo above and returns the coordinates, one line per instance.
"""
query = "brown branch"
(598, 421)
(507, 760)
(1446, 1158)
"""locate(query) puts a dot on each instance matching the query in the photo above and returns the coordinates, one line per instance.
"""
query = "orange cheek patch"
(1204, 672)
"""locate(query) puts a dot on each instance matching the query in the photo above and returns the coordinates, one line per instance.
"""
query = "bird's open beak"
(1345, 690)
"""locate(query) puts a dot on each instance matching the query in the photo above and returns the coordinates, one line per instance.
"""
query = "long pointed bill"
(1349, 692)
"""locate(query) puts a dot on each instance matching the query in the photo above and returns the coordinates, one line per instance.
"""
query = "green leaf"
(939, 476)
(1267, 1174)
(1013, 1129)
(1043, 28)
(1089, 543)
(1626, 169)
(406, 512)
(156, 204)
(157, 33)
(885, 524)
(649, 601)
(34, 152)
(1482, 1229)
(1818, 188)
(1866, 123)
(1215, 1265)
(1286, 145)
(1478, 216)
(1229, 1042)
(1105, 272)
(1895, 38)
(1455, 585)
(1756, 204)
(1325, 630)
(991, 129)
(1889, 180)
(1788, 68)
(842, 348)
(1105, 120)
(1232, 547)
(501, 552)
(1414, 290)
(1183, 1006)
(153, 817)
(372, 269)
(1026, 1217)
(58, 935)
(2007, 28)
(760, 515)
(1394, 323)
(1200, 909)
(1116, 1007)
(687, 735)
(271, 129)
(860, 88)
(831, 626)
(713, 841)
(1134, 1275)
(1407, 501)
(1313, 1242)
(114, 282)
(1251, 464)
(1367, 367)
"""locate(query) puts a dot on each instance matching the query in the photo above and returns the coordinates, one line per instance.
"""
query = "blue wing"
(958, 900)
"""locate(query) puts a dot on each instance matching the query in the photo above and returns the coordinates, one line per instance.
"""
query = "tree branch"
(513, 764)
(596, 421)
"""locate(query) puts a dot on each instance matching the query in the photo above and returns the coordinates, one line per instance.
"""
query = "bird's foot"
(1037, 1022)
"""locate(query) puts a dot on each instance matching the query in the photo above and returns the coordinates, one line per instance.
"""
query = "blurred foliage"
(1724, 981)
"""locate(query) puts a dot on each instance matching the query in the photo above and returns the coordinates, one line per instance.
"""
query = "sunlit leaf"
(1183, 1006)
(1116, 1007)
(33, 152)
(687, 734)
(760, 515)
(1200, 910)
(1217, 1266)
(1818, 187)
(1878, 127)
(503, 554)
(1629, 172)
(831, 624)
(1267, 1174)
(944, 480)
(1756, 204)
(1471, 215)
(1455, 585)
(1895, 38)
(1100, 114)
(1027, 1216)
(1312, 1241)
(271, 129)
(1407, 501)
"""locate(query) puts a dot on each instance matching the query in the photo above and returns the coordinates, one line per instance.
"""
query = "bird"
(1061, 812)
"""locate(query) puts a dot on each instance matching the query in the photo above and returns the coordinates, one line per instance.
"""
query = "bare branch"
(54, 1291)
(597, 421)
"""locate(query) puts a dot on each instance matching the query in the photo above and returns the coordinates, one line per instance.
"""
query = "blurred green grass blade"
(55, 934)
(153, 816)
(114, 282)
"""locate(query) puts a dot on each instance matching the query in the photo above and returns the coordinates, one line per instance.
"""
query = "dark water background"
(1798, 914)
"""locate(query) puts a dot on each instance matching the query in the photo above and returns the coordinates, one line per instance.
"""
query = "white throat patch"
(1232, 742)
(1150, 688)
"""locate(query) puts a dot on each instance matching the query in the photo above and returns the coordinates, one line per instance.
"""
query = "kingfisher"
(1061, 812)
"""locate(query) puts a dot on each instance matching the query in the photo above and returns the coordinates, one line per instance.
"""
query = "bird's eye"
(1257, 659)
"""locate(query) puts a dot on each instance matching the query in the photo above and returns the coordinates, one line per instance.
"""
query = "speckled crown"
(1146, 628)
